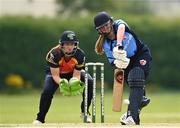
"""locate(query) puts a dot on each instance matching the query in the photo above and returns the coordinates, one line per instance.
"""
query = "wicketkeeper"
(126, 51)
(65, 64)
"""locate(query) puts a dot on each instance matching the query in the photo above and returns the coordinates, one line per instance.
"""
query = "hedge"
(24, 42)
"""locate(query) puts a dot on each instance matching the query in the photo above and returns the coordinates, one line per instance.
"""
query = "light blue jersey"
(129, 44)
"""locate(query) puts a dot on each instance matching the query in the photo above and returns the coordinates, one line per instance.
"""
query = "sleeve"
(120, 21)
(52, 59)
(129, 44)
(80, 60)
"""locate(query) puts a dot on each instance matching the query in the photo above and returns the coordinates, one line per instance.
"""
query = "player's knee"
(136, 77)
(90, 80)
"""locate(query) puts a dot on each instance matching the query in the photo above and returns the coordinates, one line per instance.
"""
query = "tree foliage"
(124, 6)
(24, 43)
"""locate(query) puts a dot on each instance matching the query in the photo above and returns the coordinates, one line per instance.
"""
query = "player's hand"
(122, 63)
(119, 53)
(64, 87)
(76, 86)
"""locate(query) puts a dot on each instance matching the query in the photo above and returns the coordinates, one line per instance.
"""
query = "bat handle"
(120, 47)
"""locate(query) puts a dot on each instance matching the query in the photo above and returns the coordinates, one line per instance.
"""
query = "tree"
(123, 6)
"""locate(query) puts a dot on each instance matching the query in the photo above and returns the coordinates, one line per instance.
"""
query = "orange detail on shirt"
(67, 67)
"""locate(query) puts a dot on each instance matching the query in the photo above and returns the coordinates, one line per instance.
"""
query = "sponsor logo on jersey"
(51, 56)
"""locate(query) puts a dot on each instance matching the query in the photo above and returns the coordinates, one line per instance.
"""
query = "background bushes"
(24, 42)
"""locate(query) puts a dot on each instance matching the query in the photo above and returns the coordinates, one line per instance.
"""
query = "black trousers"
(49, 89)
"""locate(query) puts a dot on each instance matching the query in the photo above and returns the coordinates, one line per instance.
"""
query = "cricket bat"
(118, 83)
(118, 90)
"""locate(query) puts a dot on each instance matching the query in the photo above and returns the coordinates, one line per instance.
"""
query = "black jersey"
(56, 59)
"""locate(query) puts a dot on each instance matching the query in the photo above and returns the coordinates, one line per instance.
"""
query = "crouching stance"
(126, 51)
(65, 64)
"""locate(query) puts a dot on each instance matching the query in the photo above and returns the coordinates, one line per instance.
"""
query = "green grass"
(16, 109)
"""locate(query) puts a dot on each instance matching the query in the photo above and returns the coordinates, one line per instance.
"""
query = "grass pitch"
(82, 125)
(16, 110)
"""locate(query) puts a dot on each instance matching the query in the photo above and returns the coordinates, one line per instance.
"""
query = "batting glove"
(122, 63)
(119, 53)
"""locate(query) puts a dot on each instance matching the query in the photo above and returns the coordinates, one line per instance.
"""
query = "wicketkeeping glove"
(64, 87)
(76, 86)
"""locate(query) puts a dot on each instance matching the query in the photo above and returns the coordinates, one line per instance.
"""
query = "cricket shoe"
(127, 120)
(37, 122)
(145, 102)
(89, 120)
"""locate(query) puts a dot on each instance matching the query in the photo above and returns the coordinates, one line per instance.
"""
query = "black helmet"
(68, 36)
(101, 18)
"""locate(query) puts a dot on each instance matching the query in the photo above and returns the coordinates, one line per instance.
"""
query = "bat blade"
(118, 90)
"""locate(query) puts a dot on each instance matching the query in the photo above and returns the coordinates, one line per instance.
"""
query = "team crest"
(71, 36)
(143, 62)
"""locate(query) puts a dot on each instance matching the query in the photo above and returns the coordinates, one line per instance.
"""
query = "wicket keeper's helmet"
(66, 37)
(101, 19)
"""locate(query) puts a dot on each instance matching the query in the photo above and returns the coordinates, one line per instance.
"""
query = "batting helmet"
(101, 19)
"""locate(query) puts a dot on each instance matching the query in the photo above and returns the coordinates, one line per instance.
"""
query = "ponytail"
(99, 45)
